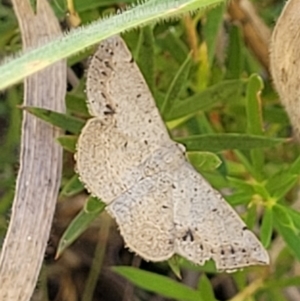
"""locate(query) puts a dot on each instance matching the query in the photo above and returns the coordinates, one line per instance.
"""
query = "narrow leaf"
(68, 142)
(211, 29)
(80, 223)
(178, 83)
(287, 229)
(76, 104)
(254, 120)
(205, 100)
(240, 198)
(295, 167)
(204, 161)
(294, 215)
(235, 56)
(205, 289)
(279, 186)
(219, 142)
(282, 282)
(253, 106)
(266, 227)
(174, 45)
(145, 56)
(174, 265)
(158, 284)
(72, 187)
(66, 122)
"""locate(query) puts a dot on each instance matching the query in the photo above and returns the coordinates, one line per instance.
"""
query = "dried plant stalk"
(40, 163)
(256, 33)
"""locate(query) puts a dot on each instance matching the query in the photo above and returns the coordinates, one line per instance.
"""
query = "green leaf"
(245, 161)
(241, 184)
(205, 100)
(76, 104)
(287, 229)
(174, 265)
(254, 120)
(174, 45)
(261, 190)
(273, 114)
(282, 283)
(219, 142)
(94, 205)
(279, 185)
(66, 122)
(251, 217)
(72, 187)
(211, 28)
(68, 142)
(86, 5)
(294, 215)
(205, 289)
(209, 267)
(266, 227)
(80, 223)
(144, 56)
(240, 198)
(158, 284)
(253, 107)
(204, 161)
(295, 167)
(235, 56)
(177, 85)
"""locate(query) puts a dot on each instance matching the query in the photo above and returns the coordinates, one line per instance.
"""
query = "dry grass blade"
(256, 33)
(40, 163)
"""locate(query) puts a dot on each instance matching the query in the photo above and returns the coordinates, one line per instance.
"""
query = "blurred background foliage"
(210, 79)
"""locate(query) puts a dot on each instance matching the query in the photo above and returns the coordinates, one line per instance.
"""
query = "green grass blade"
(219, 142)
(204, 161)
(254, 121)
(145, 56)
(34, 60)
(72, 187)
(80, 223)
(205, 100)
(63, 121)
(266, 227)
(68, 142)
(287, 229)
(177, 85)
(159, 284)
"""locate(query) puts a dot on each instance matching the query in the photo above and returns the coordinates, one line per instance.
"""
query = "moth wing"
(127, 127)
(118, 94)
(144, 214)
(206, 227)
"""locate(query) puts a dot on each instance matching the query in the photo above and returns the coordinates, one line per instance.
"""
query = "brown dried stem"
(257, 35)
(40, 163)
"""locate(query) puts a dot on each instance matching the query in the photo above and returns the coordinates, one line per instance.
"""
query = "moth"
(126, 157)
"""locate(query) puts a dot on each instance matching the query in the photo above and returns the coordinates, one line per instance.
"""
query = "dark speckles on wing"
(188, 235)
(107, 65)
(109, 110)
